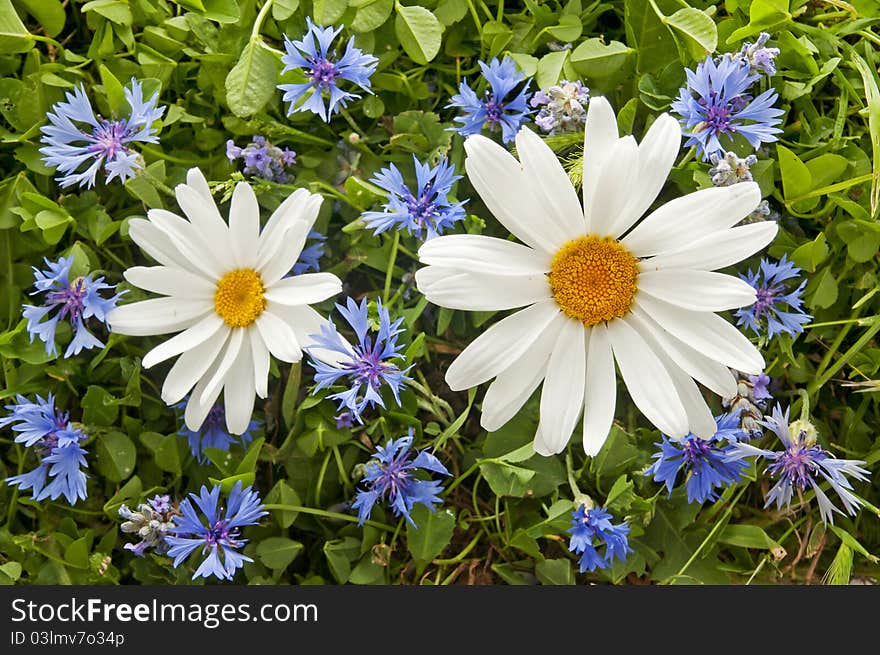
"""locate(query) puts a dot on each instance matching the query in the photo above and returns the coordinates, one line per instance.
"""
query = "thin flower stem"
(327, 515)
(462, 554)
(258, 23)
(350, 120)
(389, 274)
(155, 152)
(13, 503)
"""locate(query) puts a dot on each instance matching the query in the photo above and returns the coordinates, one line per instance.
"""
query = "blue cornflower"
(563, 107)
(218, 536)
(213, 432)
(390, 476)
(589, 524)
(263, 159)
(715, 103)
(99, 141)
(75, 301)
(427, 209)
(324, 69)
(493, 109)
(707, 462)
(775, 311)
(367, 365)
(151, 521)
(803, 464)
(310, 255)
(759, 58)
(56, 443)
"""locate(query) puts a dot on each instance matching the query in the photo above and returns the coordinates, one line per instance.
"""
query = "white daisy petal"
(306, 323)
(225, 364)
(159, 246)
(191, 366)
(600, 135)
(238, 392)
(701, 291)
(657, 153)
(563, 214)
(300, 206)
(459, 289)
(304, 289)
(196, 179)
(244, 225)
(501, 345)
(609, 205)
(260, 357)
(649, 384)
(206, 328)
(696, 215)
(707, 333)
(205, 218)
(279, 337)
(700, 419)
(707, 372)
(157, 316)
(563, 391)
(482, 254)
(600, 391)
(498, 179)
(187, 239)
(512, 387)
(717, 250)
(198, 405)
(285, 257)
(171, 282)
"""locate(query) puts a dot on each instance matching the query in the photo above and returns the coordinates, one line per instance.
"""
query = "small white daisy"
(229, 294)
(595, 288)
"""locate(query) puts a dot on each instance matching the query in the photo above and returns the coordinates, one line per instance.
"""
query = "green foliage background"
(505, 514)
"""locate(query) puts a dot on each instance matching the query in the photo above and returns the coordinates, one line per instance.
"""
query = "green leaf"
(697, 28)
(226, 484)
(12, 571)
(114, 90)
(370, 14)
(550, 68)
(283, 494)
(116, 11)
(851, 541)
(340, 553)
(796, 178)
(420, 33)
(568, 29)
(222, 11)
(432, 534)
(10, 196)
(77, 553)
(248, 463)
(283, 9)
(328, 12)
(49, 13)
(14, 37)
(251, 82)
(450, 12)
(764, 16)
(167, 454)
(555, 572)
(98, 407)
(652, 41)
(811, 254)
(824, 290)
(278, 552)
(862, 239)
(593, 58)
(116, 456)
(746, 536)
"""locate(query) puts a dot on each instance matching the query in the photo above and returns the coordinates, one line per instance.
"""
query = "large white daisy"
(597, 287)
(227, 292)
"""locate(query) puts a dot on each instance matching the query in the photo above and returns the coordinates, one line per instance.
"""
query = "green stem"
(155, 152)
(352, 123)
(462, 554)
(718, 525)
(327, 515)
(389, 274)
(261, 17)
(820, 380)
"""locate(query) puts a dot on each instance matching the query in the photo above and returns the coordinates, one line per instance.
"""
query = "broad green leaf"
(328, 12)
(652, 42)
(796, 177)
(167, 454)
(420, 33)
(746, 536)
(698, 30)
(278, 552)
(764, 16)
(114, 90)
(569, 29)
(283, 494)
(116, 456)
(340, 554)
(824, 290)
(251, 82)
(810, 255)
(283, 9)
(550, 68)
(49, 13)
(116, 11)
(12, 570)
(10, 196)
(450, 12)
(77, 553)
(432, 534)
(593, 58)
(555, 572)
(371, 14)
(98, 406)
(14, 36)
(222, 11)
(226, 484)
(248, 463)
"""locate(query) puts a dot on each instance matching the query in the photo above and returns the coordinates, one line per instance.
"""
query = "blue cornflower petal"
(494, 109)
(589, 526)
(323, 67)
(213, 433)
(777, 309)
(367, 366)
(390, 476)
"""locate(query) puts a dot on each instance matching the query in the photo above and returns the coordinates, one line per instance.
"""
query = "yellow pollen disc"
(593, 279)
(239, 297)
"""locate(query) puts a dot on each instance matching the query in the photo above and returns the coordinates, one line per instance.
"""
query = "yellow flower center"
(239, 297)
(593, 279)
